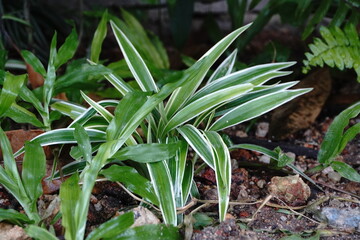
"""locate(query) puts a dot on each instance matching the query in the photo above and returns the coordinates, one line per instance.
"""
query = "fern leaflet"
(337, 48)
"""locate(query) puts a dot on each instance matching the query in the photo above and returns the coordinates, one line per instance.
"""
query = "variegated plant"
(155, 127)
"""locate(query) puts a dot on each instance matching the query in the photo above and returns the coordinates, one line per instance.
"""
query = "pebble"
(262, 129)
(334, 176)
(342, 218)
(241, 134)
(261, 183)
(283, 218)
(264, 159)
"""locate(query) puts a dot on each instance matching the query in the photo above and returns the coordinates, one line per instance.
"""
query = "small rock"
(283, 218)
(264, 159)
(241, 134)
(291, 154)
(348, 219)
(327, 170)
(144, 216)
(334, 176)
(12, 232)
(291, 189)
(262, 129)
(261, 183)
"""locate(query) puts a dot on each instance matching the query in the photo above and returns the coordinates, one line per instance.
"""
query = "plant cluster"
(145, 143)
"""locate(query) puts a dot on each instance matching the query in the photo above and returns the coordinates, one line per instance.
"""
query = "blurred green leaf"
(132, 180)
(67, 50)
(33, 170)
(69, 194)
(112, 227)
(31, 59)
(14, 217)
(98, 38)
(345, 171)
(40, 233)
(10, 90)
(83, 140)
(21, 115)
(151, 231)
(151, 152)
(332, 142)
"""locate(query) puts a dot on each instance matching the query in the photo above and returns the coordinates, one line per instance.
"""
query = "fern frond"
(337, 48)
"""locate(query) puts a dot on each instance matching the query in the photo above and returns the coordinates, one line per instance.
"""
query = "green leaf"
(197, 141)
(32, 60)
(205, 103)
(162, 183)
(28, 96)
(102, 111)
(88, 114)
(222, 163)
(83, 141)
(332, 142)
(345, 171)
(79, 76)
(135, 62)
(67, 108)
(151, 152)
(14, 217)
(48, 88)
(69, 194)
(225, 68)
(256, 75)
(9, 160)
(151, 231)
(33, 170)
(133, 181)
(317, 17)
(63, 136)
(282, 158)
(181, 95)
(124, 112)
(39, 233)
(67, 50)
(99, 37)
(349, 135)
(112, 227)
(10, 90)
(255, 108)
(21, 115)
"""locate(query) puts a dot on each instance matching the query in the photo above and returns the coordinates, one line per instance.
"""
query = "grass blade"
(162, 183)
(256, 107)
(197, 141)
(135, 62)
(222, 170)
(205, 103)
